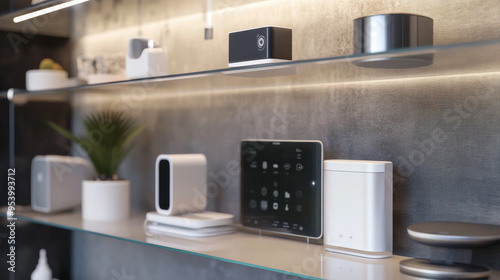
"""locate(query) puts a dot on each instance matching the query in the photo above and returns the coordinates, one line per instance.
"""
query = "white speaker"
(358, 207)
(56, 182)
(180, 184)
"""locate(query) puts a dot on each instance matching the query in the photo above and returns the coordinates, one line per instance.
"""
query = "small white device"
(144, 60)
(155, 229)
(180, 183)
(192, 220)
(358, 207)
(202, 224)
(56, 182)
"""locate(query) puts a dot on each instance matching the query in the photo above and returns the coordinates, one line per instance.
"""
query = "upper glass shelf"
(475, 58)
(55, 24)
(263, 252)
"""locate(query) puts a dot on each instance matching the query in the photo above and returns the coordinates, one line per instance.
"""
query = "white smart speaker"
(358, 207)
(56, 182)
(180, 183)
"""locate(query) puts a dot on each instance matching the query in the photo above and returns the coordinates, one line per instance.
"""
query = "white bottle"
(42, 270)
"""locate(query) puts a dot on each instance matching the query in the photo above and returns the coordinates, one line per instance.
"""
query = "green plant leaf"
(64, 132)
(106, 139)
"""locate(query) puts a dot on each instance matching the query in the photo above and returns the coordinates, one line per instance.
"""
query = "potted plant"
(50, 75)
(107, 140)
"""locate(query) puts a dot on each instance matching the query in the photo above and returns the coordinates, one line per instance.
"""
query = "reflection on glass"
(339, 266)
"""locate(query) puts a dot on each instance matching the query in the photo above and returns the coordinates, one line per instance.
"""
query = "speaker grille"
(39, 184)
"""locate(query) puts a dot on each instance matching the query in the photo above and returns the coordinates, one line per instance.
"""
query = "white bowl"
(43, 79)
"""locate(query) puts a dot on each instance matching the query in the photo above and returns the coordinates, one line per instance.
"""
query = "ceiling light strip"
(48, 10)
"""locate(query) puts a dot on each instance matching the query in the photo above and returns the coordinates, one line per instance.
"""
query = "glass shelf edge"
(228, 71)
(65, 227)
(396, 258)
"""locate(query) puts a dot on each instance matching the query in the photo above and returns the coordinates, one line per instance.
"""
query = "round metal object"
(382, 33)
(427, 269)
(454, 234)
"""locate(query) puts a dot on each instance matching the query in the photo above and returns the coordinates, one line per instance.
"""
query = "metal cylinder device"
(386, 32)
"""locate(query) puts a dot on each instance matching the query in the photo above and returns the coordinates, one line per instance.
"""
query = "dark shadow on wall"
(9, 5)
(32, 137)
(20, 53)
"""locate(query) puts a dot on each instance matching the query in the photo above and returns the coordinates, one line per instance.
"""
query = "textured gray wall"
(442, 133)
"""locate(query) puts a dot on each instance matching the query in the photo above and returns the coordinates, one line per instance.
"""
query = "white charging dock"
(202, 224)
(152, 62)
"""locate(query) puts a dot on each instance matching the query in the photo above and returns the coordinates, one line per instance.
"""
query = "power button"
(299, 167)
(261, 42)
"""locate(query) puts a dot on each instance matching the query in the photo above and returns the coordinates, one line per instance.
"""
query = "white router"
(358, 207)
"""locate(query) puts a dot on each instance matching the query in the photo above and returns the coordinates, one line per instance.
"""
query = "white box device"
(144, 60)
(180, 183)
(358, 207)
(56, 182)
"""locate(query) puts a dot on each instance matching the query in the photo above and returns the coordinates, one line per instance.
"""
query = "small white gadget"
(180, 183)
(187, 232)
(192, 220)
(144, 60)
(358, 208)
(202, 224)
(56, 182)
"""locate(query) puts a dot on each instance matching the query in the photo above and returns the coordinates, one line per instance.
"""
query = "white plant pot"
(105, 200)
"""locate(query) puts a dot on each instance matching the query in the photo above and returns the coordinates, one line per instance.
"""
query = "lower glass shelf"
(263, 252)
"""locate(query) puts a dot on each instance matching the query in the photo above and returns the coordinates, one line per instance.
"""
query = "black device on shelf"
(260, 45)
(282, 186)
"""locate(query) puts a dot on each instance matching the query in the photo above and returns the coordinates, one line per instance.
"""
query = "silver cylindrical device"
(386, 32)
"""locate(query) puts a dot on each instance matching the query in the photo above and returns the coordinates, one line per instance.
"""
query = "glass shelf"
(55, 24)
(458, 59)
(263, 252)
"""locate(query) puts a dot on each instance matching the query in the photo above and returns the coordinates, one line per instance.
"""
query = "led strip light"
(48, 10)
